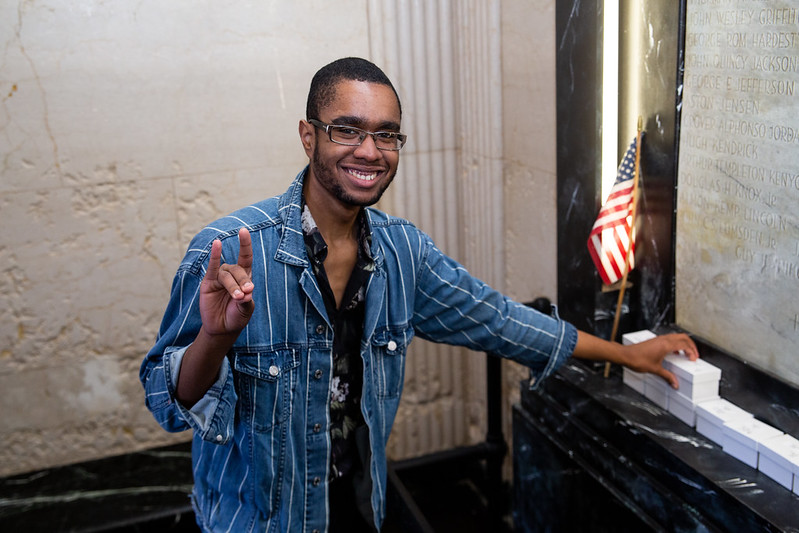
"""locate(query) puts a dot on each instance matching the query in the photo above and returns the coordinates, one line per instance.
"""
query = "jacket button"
(219, 438)
(274, 371)
(320, 329)
(316, 481)
(317, 428)
(391, 346)
(317, 374)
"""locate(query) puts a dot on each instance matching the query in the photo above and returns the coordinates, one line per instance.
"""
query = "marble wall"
(125, 127)
(529, 164)
(737, 251)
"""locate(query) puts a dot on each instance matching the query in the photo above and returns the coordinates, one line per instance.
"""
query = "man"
(283, 346)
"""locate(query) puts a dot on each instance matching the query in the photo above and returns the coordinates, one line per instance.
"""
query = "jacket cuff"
(212, 416)
(562, 350)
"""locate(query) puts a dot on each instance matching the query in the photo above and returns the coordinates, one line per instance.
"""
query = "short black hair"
(323, 84)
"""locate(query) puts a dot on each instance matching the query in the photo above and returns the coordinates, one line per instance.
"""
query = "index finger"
(214, 260)
(245, 249)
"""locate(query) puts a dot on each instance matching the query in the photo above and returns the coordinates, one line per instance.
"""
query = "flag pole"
(637, 171)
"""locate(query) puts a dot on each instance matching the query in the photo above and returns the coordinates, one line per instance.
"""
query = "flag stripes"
(609, 240)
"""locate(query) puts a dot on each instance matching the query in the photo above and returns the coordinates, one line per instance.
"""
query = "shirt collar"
(317, 247)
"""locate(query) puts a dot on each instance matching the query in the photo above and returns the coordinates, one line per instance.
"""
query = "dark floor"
(446, 505)
(449, 506)
(149, 494)
(458, 507)
(448, 492)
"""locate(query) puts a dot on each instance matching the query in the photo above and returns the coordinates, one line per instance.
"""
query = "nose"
(368, 149)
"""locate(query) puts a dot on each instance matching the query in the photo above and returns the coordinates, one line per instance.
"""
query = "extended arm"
(643, 357)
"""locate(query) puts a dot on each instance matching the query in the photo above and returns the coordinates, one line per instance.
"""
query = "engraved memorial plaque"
(737, 238)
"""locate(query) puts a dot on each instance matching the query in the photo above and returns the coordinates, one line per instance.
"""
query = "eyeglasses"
(351, 136)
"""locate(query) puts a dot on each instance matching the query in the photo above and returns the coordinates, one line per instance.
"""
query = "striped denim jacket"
(261, 452)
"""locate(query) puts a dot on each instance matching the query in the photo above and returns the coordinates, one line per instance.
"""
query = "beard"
(326, 176)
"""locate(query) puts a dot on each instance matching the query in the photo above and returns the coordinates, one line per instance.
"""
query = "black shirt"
(347, 322)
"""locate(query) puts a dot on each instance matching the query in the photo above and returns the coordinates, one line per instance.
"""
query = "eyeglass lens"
(387, 140)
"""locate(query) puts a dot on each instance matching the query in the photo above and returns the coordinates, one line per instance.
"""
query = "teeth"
(368, 176)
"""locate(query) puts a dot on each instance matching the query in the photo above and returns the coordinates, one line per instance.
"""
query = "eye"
(345, 131)
(387, 135)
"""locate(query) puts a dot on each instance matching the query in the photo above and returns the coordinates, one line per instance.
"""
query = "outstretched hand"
(645, 356)
(648, 356)
(226, 303)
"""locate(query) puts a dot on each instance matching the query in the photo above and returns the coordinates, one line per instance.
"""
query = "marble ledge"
(112, 494)
(626, 441)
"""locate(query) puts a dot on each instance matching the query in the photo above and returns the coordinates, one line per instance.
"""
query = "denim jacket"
(261, 449)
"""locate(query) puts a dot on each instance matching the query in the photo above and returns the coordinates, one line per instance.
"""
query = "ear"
(307, 135)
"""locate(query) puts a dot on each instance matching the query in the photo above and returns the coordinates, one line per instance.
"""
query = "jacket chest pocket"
(265, 381)
(389, 348)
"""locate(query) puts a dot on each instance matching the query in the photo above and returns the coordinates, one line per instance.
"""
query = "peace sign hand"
(226, 303)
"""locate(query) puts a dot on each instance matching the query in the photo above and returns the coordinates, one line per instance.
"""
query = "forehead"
(372, 102)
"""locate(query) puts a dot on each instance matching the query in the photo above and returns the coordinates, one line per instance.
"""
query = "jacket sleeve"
(212, 417)
(453, 307)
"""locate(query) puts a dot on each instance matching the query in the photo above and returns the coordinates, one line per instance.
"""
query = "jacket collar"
(291, 249)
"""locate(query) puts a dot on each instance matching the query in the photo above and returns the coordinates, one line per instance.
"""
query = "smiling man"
(283, 345)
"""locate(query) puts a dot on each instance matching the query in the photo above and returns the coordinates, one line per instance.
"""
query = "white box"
(635, 337)
(742, 438)
(699, 380)
(657, 390)
(712, 414)
(635, 380)
(682, 407)
(779, 460)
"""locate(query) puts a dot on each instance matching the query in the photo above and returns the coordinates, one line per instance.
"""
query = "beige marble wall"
(125, 127)
(530, 162)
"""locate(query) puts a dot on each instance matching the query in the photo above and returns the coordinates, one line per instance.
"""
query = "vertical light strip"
(610, 95)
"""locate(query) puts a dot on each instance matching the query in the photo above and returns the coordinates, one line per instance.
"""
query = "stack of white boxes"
(699, 382)
(779, 458)
(713, 414)
(636, 380)
(697, 403)
(743, 439)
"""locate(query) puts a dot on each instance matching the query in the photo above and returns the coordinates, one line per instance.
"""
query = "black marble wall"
(650, 74)
(579, 99)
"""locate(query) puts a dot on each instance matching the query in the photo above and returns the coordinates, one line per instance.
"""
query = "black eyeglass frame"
(328, 128)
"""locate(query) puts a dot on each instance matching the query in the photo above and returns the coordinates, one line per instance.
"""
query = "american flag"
(609, 240)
